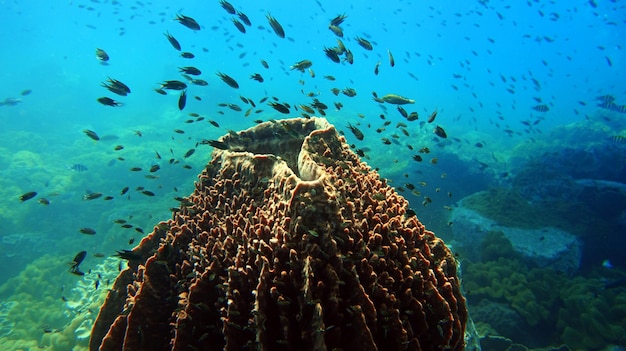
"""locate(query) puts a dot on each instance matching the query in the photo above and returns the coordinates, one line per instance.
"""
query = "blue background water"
(483, 65)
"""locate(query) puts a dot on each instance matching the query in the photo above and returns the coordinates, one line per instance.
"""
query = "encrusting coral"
(288, 242)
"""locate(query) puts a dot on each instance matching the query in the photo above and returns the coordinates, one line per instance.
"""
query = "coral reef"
(288, 242)
(587, 316)
(37, 312)
(542, 247)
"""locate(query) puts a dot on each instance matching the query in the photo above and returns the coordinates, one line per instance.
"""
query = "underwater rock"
(542, 247)
(288, 242)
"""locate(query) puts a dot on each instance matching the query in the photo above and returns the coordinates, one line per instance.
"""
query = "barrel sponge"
(289, 241)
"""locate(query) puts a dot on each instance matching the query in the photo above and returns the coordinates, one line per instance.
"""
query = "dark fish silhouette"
(109, 102)
(116, 86)
(282, 108)
(189, 153)
(228, 80)
(173, 85)
(228, 7)
(239, 26)
(187, 22)
(91, 134)
(278, 29)
(78, 259)
(182, 100)
(190, 70)
(257, 77)
(27, 196)
(172, 41)
(357, 133)
(440, 132)
(541, 108)
(244, 18)
(128, 255)
(87, 231)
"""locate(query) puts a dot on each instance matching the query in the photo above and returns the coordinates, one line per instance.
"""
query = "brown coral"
(288, 242)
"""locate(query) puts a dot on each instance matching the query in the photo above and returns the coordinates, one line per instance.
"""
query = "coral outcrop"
(288, 242)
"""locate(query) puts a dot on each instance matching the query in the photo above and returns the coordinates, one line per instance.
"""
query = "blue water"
(483, 65)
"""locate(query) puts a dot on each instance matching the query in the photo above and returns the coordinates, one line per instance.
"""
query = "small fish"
(91, 196)
(135, 169)
(228, 80)
(107, 101)
(187, 55)
(118, 147)
(189, 153)
(357, 133)
(190, 70)
(77, 167)
(172, 41)
(154, 168)
(147, 193)
(131, 241)
(218, 144)
(541, 108)
(188, 22)
(182, 100)
(350, 92)
(173, 85)
(397, 99)
(126, 226)
(78, 259)
(128, 255)
(244, 18)
(26, 92)
(338, 20)
(440, 132)
(392, 62)
(257, 77)
(88, 231)
(278, 29)
(228, 7)
(124, 191)
(44, 201)
(116, 86)
(336, 30)
(27, 196)
(301, 65)
(102, 55)
(332, 54)
(402, 112)
(364, 43)
(432, 116)
(238, 25)
(91, 134)
(282, 108)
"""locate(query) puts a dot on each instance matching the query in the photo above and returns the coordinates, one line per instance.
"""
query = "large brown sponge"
(289, 242)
